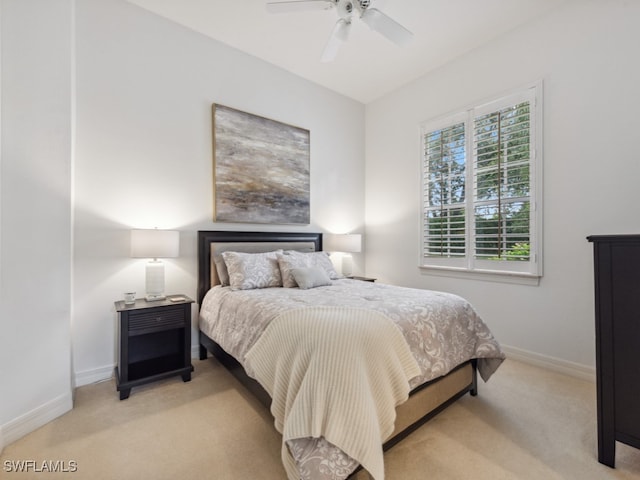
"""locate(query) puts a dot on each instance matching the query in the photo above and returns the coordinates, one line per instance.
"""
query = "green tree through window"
(445, 164)
(479, 187)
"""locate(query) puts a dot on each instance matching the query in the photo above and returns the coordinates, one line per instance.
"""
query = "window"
(481, 176)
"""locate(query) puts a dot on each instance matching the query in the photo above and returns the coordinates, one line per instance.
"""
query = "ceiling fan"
(347, 10)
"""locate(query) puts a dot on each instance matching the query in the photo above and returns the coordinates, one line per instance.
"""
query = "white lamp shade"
(347, 243)
(155, 243)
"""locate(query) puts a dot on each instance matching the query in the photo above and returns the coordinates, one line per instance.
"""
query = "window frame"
(469, 264)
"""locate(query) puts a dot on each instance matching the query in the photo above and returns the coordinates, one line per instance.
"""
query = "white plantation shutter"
(444, 177)
(479, 183)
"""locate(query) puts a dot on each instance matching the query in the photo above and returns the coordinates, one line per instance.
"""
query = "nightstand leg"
(186, 377)
(124, 393)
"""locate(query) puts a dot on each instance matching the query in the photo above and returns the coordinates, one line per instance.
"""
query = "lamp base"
(154, 297)
(347, 265)
(154, 281)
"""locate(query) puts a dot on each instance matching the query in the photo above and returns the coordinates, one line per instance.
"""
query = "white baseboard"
(95, 375)
(195, 351)
(39, 416)
(87, 377)
(572, 369)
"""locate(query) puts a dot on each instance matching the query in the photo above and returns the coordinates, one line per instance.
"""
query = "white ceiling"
(368, 65)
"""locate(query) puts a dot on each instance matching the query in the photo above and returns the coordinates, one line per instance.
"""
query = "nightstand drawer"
(164, 319)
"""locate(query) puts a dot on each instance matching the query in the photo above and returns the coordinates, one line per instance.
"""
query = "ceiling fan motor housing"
(345, 7)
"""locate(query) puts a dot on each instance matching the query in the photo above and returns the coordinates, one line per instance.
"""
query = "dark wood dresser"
(617, 305)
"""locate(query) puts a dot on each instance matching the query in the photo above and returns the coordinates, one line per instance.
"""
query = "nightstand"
(364, 279)
(154, 341)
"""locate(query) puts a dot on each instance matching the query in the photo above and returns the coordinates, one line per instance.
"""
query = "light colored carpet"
(526, 423)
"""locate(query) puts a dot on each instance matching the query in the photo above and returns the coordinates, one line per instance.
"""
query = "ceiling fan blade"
(299, 6)
(386, 26)
(338, 36)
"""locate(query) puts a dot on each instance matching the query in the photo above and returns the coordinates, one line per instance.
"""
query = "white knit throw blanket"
(334, 372)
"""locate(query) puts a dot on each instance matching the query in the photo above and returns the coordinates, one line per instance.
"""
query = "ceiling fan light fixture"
(345, 9)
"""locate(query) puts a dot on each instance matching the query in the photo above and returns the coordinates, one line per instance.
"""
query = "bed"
(337, 411)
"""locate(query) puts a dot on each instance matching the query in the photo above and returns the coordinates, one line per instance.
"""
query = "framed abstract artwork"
(261, 169)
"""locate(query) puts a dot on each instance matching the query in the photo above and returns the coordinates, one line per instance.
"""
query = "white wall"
(586, 56)
(144, 158)
(35, 220)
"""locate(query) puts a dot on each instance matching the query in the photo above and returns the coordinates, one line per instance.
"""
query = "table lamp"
(155, 244)
(346, 243)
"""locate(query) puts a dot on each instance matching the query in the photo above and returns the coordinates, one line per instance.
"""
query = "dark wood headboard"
(206, 238)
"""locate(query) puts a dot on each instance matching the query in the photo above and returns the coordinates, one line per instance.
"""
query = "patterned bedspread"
(442, 331)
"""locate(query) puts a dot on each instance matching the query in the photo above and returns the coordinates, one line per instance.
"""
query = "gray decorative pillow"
(316, 259)
(310, 277)
(253, 270)
(287, 263)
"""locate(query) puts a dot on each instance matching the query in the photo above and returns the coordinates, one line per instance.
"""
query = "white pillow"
(310, 277)
(253, 270)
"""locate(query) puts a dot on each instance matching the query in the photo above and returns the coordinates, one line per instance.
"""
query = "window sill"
(482, 275)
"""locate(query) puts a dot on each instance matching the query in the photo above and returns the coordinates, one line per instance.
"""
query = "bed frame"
(425, 401)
